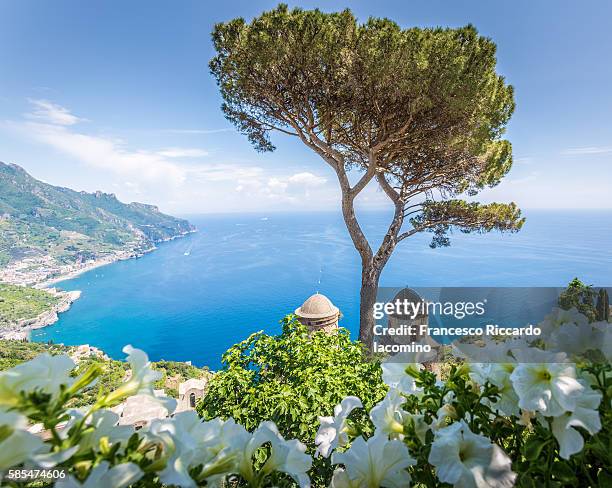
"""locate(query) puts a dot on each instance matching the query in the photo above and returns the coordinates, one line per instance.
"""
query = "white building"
(190, 392)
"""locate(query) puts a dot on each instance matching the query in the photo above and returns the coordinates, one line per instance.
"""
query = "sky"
(116, 96)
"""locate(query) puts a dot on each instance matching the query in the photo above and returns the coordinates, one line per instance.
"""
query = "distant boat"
(186, 253)
(264, 218)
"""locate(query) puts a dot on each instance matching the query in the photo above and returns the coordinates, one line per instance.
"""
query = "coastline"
(98, 263)
(22, 329)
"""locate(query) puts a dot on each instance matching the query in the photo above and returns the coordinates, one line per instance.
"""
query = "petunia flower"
(182, 438)
(103, 423)
(373, 463)
(103, 476)
(550, 388)
(333, 430)
(498, 374)
(445, 413)
(141, 380)
(606, 343)
(286, 456)
(394, 375)
(575, 340)
(468, 460)
(388, 416)
(584, 415)
(17, 445)
(558, 317)
(45, 373)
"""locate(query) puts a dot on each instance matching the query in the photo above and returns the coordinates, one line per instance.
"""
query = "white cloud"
(106, 153)
(52, 113)
(584, 151)
(220, 172)
(173, 177)
(181, 152)
(289, 189)
(51, 124)
(307, 179)
(197, 131)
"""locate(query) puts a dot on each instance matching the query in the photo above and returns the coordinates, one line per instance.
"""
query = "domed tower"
(396, 321)
(319, 313)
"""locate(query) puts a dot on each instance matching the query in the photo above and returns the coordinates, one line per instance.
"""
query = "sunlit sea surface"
(194, 297)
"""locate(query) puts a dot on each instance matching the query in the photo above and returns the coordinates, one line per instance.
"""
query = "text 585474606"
(35, 474)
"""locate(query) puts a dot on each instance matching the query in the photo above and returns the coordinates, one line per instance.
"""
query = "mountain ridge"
(40, 222)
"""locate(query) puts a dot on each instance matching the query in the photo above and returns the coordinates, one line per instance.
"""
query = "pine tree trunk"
(369, 290)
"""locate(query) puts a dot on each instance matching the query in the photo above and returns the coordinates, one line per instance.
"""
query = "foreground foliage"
(539, 415)
(292, 379)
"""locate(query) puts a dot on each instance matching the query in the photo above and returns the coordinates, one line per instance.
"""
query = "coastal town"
(41, 271)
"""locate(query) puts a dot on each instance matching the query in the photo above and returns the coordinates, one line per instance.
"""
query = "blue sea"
(194, 297)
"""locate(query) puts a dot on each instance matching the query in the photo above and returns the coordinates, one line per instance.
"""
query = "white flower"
(495, 373)
(584, 415)
(286, 456)
(189, 442)
(104, 425)
(143, 376)
(388, 415)
(467, 460)
(491, 352)
(445, 412)
(141, 381)
(420, 426)
(498, 374)
(394, 375)
(102, 476)
(576, 340)
(17, 445)
(226, 447)
(340, 479)
(559, 317)
(44, 373)
(373, 463)
(549, 388)
(333, 430)
(606, 342)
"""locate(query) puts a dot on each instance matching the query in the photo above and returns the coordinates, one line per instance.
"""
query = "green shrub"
(292, 379)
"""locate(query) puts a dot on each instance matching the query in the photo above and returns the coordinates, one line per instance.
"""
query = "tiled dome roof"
(317, 307)
(409, 295)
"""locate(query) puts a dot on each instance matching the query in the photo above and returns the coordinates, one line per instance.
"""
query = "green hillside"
(21, 303)
(38, 219)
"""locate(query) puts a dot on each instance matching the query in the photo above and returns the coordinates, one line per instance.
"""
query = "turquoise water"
(194, 297)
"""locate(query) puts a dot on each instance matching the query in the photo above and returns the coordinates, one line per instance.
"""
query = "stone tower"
(319, 313)
(396, 320)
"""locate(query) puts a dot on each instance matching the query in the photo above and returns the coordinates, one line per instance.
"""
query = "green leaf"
(563, 472)
(533, 448)
(604, 479)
